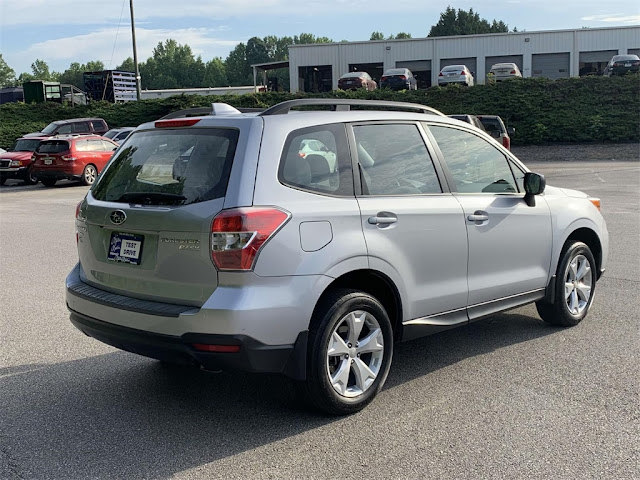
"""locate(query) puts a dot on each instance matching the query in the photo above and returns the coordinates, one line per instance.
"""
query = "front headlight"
(15, 163)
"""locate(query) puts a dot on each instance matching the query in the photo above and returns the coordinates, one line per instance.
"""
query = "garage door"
(416, 65)
(550, 65)
(517, 59)
(470, 62)
(593, 63)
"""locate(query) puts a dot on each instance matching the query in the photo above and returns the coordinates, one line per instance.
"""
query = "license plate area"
(125, 248)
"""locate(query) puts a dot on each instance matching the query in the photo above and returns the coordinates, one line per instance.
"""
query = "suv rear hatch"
(52, 154)
(144, 228)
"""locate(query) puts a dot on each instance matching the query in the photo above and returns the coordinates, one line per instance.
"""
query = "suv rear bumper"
(272, 340)
(252, 355)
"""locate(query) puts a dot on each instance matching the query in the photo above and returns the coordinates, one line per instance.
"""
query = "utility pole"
(135, 50)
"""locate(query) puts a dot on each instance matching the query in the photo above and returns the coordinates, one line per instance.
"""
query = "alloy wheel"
(355, 353)
(577, 284)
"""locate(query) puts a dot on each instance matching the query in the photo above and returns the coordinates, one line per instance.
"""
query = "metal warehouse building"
(551, 54)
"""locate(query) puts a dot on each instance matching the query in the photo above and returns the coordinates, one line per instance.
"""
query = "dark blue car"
(399, 79)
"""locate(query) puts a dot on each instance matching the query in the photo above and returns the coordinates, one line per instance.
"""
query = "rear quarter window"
(317, 159)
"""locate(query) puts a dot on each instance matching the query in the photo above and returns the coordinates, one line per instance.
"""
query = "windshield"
(50, 128)
(170, 167)
(26, 145)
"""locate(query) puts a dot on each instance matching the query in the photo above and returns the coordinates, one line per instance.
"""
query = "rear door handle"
(383, 218)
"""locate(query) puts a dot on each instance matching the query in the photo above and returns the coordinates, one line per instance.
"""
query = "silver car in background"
(211, 241)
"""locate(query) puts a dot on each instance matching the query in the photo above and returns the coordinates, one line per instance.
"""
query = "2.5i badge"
(125, 247)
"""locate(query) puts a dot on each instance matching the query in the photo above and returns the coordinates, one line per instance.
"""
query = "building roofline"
(520, 33)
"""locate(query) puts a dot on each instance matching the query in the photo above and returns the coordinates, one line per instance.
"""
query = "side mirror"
(534, 184)
(511, 130)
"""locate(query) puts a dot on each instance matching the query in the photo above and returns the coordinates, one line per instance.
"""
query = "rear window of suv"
(53, 146)
(170, 167)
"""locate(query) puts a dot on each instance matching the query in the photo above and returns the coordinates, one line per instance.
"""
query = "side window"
(95, 145)
(64, 129)
(97, 125)
(394, 160)
(81, 127)
(475, 164)
(107, 146)
(317, 159)
(82, 146)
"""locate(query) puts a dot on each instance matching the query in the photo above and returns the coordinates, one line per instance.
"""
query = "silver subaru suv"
(308, 241)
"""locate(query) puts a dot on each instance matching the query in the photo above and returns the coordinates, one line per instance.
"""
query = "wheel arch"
(592, 240)
(376, 284)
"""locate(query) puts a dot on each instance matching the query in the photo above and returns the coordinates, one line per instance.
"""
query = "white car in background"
(311, 146)
(504, 71)
(456, 74)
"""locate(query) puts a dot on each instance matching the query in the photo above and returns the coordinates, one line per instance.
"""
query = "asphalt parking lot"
(507, 397)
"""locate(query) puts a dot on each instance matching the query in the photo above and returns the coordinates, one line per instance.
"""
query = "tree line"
(172, 65)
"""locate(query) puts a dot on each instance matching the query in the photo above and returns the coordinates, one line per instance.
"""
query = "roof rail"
(341, 104)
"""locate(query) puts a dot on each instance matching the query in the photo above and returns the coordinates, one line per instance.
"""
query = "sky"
(64, 31)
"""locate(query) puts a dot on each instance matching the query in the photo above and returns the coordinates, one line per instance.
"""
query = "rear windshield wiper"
(152, 198)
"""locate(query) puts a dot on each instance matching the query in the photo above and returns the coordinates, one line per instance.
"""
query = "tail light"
(78, 216)
(68, 158)
(402, 77)
(513, 72)
(383, 78)
(440, 74)
(463, 72)
(506, 143)
(238, 234)
(635, 64)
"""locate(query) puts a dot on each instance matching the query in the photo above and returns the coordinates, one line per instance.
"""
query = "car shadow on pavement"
(118, 415)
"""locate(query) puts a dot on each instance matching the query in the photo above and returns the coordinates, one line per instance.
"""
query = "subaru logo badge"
(118, 217)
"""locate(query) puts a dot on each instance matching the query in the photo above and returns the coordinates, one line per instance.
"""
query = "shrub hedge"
(587, 109)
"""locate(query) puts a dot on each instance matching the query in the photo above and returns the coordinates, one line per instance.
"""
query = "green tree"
(7, 74)
(256, 51)
(215, 73)
(402, 35)
(377, 36)
(171, 66)
(74, 74)
(464, 23)
(127, 66)
(238, 70)
(40, 71)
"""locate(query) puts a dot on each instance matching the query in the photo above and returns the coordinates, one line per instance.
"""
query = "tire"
(48, 182)
(30, 178)
(350, 338)
(574, 289)
(89, 175)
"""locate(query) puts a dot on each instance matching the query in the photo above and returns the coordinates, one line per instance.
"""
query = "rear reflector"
(238, 234)
(183, 122)
(596, 202)
(203, 347)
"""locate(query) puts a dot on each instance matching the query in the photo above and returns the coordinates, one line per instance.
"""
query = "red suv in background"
(17, 162)
(77, 157)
